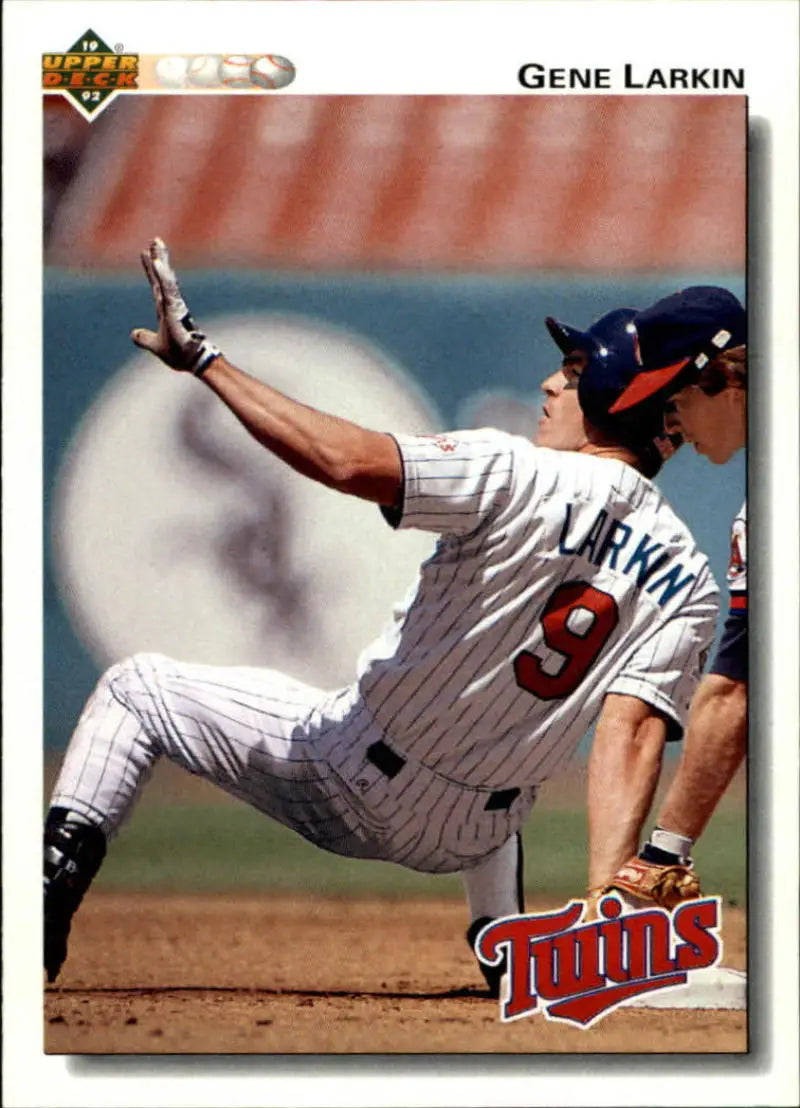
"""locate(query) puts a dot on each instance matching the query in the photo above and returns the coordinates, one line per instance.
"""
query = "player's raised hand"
(177, 342)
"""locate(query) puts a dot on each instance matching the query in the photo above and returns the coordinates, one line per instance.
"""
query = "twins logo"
(581, 973)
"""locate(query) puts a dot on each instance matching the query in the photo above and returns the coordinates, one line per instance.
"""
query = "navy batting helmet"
(612, 363)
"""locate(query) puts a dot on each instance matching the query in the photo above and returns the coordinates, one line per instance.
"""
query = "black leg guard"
(73, 853)
(493, 975)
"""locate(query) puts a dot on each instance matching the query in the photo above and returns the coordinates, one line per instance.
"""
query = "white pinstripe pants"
(291, 751)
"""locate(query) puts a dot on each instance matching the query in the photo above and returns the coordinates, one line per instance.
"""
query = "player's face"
(561, 426)
(715, 425)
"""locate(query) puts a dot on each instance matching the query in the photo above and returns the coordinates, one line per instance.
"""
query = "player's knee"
(132, 674)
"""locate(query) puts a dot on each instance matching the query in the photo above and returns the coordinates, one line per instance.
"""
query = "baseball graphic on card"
(272, 71)
(204, 71)
(172, 72)
(235, 71)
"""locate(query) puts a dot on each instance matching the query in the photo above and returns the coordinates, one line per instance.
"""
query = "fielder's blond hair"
(728, 370)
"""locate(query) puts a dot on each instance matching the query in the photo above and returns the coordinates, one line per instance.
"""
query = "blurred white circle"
(234, 71)
(172, 72)
(173, 530)
(272, 71)
(204, 71)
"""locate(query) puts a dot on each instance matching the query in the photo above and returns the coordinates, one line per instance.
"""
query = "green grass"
(188, 836)
(555, 853)
(225, 846)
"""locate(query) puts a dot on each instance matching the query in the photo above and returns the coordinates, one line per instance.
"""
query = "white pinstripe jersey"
(557, 578)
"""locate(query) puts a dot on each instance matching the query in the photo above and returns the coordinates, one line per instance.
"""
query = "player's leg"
(109, 743)
(494, 889)
(242, 729)
(73, 852)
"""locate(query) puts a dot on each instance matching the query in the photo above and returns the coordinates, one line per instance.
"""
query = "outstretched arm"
(333, 451)
(328, 449)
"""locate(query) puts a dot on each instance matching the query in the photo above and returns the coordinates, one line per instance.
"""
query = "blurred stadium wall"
(388, 258)
(488, 184)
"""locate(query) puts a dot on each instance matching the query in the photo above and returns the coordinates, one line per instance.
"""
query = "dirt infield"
(257, 975)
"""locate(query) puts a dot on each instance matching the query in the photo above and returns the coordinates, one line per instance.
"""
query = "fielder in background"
(694, 347)
(563, 588)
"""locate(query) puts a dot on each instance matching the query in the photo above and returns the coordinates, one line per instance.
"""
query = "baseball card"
(385, 512)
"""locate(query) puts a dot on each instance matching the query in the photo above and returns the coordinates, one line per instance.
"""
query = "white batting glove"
(177, 342)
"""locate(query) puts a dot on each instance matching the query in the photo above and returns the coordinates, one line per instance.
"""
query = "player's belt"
(389, 762)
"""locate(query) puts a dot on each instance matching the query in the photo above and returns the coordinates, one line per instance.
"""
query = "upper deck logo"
(90, 73)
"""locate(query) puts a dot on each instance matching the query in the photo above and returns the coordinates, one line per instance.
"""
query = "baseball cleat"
(73, 853)
(492, 975)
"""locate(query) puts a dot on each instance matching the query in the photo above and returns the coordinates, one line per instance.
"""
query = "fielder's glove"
(177, 342)
(647, 883)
